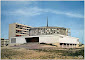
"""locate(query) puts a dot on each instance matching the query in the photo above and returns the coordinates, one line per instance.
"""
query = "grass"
(8, 53)
(19, 53)
(69, 52)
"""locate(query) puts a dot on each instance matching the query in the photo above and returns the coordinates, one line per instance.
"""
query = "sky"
(67, 14)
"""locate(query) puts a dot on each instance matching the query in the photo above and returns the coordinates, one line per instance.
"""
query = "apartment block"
(4, 42)
(16, 30)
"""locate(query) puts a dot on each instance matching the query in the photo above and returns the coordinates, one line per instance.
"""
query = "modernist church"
(48, 30)
(59, 36)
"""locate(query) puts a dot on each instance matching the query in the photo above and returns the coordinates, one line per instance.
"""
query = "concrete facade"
(56, 39)
(16, 30)
(59, 36)
(48, 31)
(4, 42)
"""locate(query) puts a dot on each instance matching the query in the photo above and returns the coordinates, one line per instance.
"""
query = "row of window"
(19, 31)
(66, 44)
(45, 32)
(55, 31)
(20, 26)
(18, 35)
(49, 29)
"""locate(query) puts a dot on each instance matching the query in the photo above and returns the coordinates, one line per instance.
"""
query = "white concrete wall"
(58, 38)
(19, 40)
(48, 39)
(70, 40)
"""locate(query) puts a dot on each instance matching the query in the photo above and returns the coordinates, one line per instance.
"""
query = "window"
(21, 28)
(64, 29)
(17, 26)
(28, 27)
(13, 40)
(18, 31)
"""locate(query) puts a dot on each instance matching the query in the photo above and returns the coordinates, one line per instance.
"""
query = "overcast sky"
(68, 14)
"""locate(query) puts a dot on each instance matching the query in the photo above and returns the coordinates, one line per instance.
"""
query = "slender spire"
(47, 21)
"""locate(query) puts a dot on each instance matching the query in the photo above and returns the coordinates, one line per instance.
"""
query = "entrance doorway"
(33, 39)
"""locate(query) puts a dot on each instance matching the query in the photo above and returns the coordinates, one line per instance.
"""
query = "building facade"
(48, 31)
(58, 40)
(58, 36)
(4, 42)
(16, 30)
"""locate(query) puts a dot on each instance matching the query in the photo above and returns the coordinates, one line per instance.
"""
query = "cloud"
(37, 11)
(74, 15)
(70, 14)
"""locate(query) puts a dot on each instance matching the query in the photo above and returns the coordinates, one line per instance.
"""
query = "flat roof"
(22, 24)
(50, 27)
(48, 35)
(42, 26)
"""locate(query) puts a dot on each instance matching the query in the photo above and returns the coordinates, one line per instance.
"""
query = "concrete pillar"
(69, 45)
(75, 45)
(66, 45)
(62, 45)
(72, 45)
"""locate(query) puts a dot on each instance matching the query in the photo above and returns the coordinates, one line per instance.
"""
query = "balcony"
(19, 26)
(19, 34)
(18, 29)
(26, 30)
